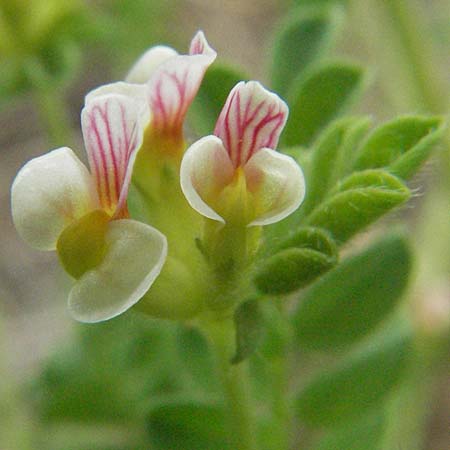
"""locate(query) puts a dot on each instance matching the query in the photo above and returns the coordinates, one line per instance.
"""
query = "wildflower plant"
(224, 232)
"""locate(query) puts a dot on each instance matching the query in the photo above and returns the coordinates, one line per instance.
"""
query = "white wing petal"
(136, 254)
(48, 193)
(277, 184)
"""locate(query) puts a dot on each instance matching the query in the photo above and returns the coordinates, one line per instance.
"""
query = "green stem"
(409, 410)
(281, 413)
(279, 369)
(416, 53)
(235, 382)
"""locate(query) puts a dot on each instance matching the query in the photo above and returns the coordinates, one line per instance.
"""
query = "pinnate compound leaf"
(401, 145)
(330, 155)
(185, 424)
(302, 257)
(216, 85)
(358, 201)
(248, 319)
(352, 299)
(359, 384)
(301, 41)
(318, 97)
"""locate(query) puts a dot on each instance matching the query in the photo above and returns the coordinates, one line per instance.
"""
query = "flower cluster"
(133, 135)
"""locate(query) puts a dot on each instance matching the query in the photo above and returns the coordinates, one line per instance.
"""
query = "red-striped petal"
(113, 127)
(251, 119)
(174, 84)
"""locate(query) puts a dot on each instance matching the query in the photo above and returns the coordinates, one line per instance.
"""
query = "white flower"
(58, 204)
(235, 175)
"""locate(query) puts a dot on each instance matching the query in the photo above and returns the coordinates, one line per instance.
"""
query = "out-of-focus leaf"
(301, 41)
(65, 392)
(318, 97)
(358, 384)
(128, 359)
(365, 434)
(333, 149)
(302, 257)
(141, 24)
(401, 145)
(188, 425)
(62, 61)
(277, 332)
(12, 81)
(43, 17)
(248, 320)
(358, 201)
(216, 85)
(195, 354)
(352, 299)
(315, 2)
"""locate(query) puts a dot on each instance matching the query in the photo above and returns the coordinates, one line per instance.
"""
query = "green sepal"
(81, 246)
(401, 145)
(302, 257)
(358, 201)
(248, 320)
(210, 99)
(359, 384)
(188, 424)
(352, 299)
(301, 41)
(318, 97)
(330, 157)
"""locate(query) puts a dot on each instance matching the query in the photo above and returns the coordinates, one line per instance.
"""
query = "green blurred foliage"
(359, 384)
(44, 43)
(365, 434)
(248, 319)
(301, 42)
(319, 97)
(348, 302)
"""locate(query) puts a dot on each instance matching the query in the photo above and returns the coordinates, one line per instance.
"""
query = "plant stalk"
(221, 335)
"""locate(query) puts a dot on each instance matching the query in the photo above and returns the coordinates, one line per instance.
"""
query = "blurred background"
(52, 53)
